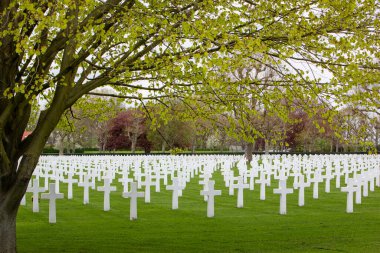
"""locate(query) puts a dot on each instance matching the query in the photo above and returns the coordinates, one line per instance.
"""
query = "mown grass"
(320, 226)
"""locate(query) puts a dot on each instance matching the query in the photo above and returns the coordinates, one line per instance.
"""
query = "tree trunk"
(163, 146)
(376, 136)
(134, 142)
(193, 145)
(72, 144)
(61, 145)
(61, 150)
(266, 147)
(10, 198)
(248, 152)
(7, 230)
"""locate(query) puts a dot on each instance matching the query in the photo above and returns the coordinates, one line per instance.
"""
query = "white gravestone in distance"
(175, 187)
(36, 189)
(377, 178)
(211, 193)
(57, 177)
(52, 196)
(125, 181)
(23, 200)
(328, 177)
(372, 181)
(283, 191)
(316, 180)
(350, 189)
(157, 178)
(231, 185)
(107, 189)
(338, 174)
(301, 184)
(47, 176)
(240, 186)
(204, 182)
(133, 194)
(147, 183)
(70, 181)
(86, 185)
(358, 194)
(263, 181)
(252, 175)
(365, 179)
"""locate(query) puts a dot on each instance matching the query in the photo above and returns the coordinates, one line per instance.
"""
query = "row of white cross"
(357, 170)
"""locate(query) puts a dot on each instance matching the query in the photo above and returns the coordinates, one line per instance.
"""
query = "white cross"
(93, 176)
(365, 180)
(211, 193)
(358, 194)
(182, 183)
(252, 174)
(47, 176)
(204, 182)
(240, 186)
(36, 189)
(227, 177)
(57, 177)
(165, 176)
(133, 194)
(296, 179)
(158, 177)
(107, 189)
(350, 189)
(231, 185)
(137, 174)
(86, 185)
(23, 200)
(378, 177)
(283, 191)
(70, 182)
(52, 196)
(148, 183)
(372, 180)
(125, 181)
(328, 178)
(175, 187)
(301, 184)
(337, 173)
(316, 180)
(81, 174)
(262, 181)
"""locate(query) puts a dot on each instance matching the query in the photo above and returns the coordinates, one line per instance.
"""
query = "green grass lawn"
(320, 226)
